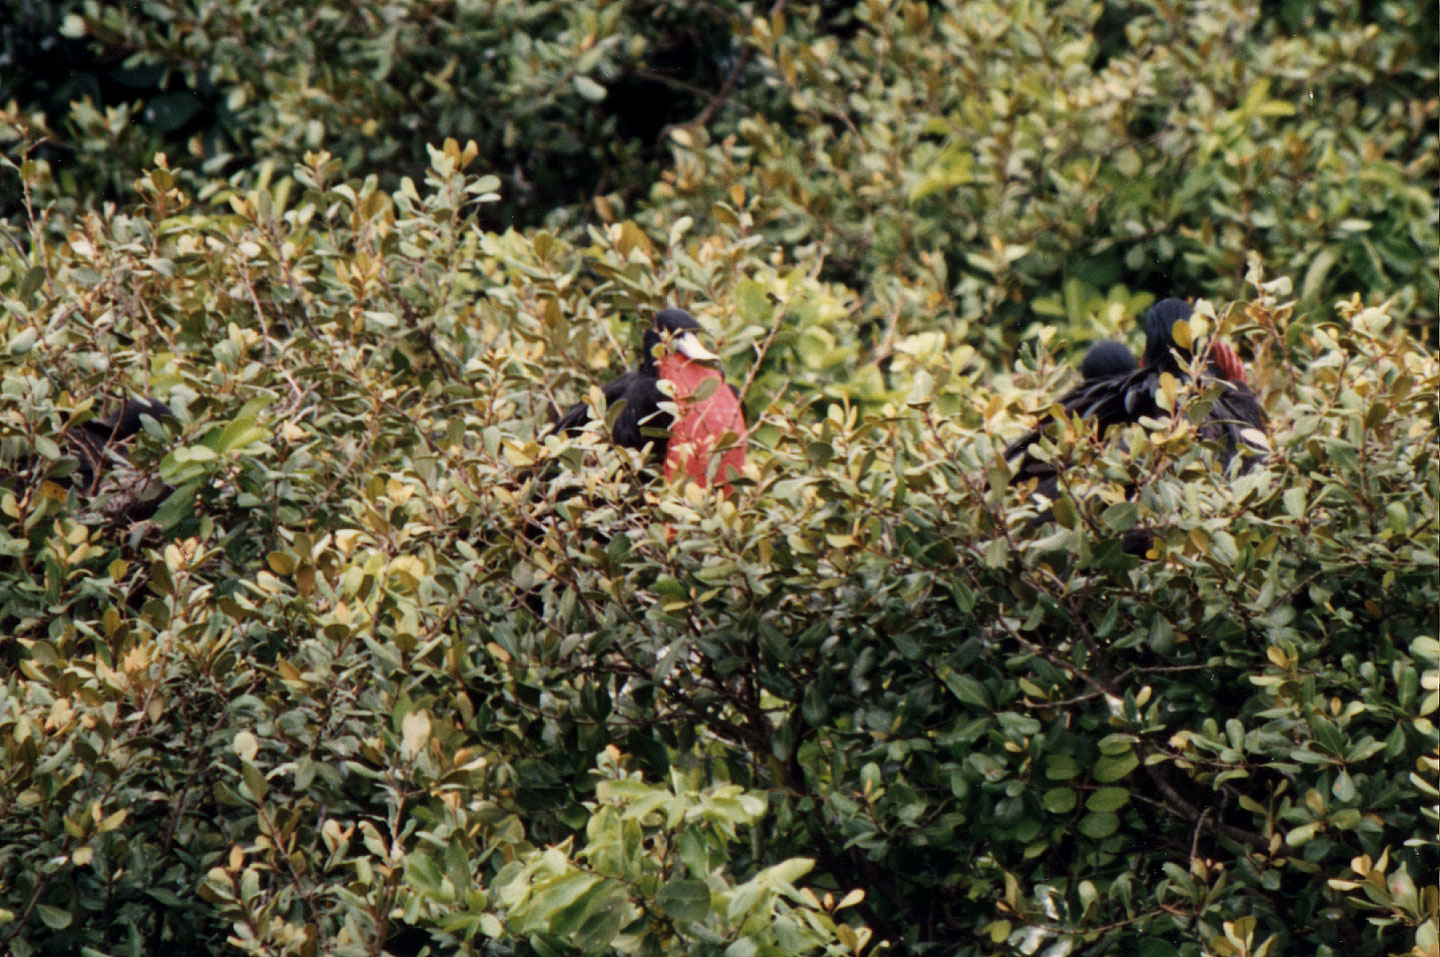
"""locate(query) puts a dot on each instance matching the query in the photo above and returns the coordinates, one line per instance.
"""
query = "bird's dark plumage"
(1161, 352)
(639, 389)
(90, 442)
(121, 425)
(1120, 398)
(102, 477)
(1106, 358)
(1113, 395)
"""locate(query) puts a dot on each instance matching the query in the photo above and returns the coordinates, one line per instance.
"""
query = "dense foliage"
(965, 167)
(389, 669)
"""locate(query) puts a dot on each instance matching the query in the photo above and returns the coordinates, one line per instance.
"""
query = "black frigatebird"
(1117, 391)
(94, 437)
(705, 415)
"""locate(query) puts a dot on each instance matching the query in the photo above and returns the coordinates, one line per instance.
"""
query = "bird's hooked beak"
(689, 347)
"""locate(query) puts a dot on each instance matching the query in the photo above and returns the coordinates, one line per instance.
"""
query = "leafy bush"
(390, 669)
(966, 167)
(566, 99)
(970, 166)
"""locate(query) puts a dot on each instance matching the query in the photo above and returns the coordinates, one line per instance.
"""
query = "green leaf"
(22, 342)
(237, 434)
(603, 922)
(54, 917)
(553, 896)
(168, 112)
(423, 872)
(1061, 767)
(178, 506)
(1065, 513)
(966, 688)
(30, 285)
(47, 447)
(1108, 799)
(1059, 800)
(687, 900)
(1122, 516)
(1113, 767)
(1397, 517)
(1302, 834)
(706, 389)
(1020, 725)
(253, 782)
(1098, 826)
(754, 305)
(589, 89)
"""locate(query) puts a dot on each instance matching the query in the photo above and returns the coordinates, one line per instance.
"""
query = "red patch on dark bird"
(1227, 363)
(702, 422)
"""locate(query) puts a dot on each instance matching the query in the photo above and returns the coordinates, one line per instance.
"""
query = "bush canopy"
(389, 669)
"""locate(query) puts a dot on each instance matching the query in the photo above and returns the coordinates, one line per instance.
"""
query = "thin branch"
(761, 352)
(1190, 812)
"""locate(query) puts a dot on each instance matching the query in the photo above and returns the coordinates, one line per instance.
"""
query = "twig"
(761, 352)
(1195, 841)
(1190, 812)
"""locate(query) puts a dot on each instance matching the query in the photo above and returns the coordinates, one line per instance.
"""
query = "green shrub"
(963, 163)
(967, 168)
(566, 99)
(391, 670)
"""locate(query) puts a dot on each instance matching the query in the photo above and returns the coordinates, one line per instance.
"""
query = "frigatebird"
(673, 353)
(1117, 391)
(94, 437)
(1117, 395)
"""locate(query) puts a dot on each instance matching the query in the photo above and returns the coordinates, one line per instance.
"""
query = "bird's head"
(1161, 351)
(1107, 358)
(676, 329)
(121, 425)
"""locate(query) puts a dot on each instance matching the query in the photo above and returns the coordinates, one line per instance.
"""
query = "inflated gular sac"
(708, 414)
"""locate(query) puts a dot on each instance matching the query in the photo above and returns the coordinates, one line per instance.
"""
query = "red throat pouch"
(701, 422)
(1227, 363)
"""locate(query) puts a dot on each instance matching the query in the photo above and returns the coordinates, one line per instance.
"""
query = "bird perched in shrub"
(102, 474)
(709, 410)
(1117, 391)
(123, 494)
(95, 437)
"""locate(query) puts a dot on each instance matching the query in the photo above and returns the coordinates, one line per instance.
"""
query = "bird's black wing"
(572, 422)
(1122, 399)
(576, 417)
(641, 414)
(121, 425)
(1235, 410)
(1109, 400)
